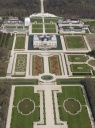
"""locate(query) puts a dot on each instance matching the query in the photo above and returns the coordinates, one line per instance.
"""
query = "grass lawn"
(50, 30)
(19, 26)
(22, 121)
(80, 68)
(81, 120)
(20, 42)
(38, 20)
(75, 42)
(37, 26)
(77, 58)
(50, 26)
(37, 30)
(48, 20)
(10, 42)
(10, 26)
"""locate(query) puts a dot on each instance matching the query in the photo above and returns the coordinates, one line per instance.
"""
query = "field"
(54, 65)
(21, 61)
(37, 65)
(18, 119)
(20, 42)
(80, 119)
(74, 42)
(38, 20)
(77, 58)
(78, 68)
(48, 20)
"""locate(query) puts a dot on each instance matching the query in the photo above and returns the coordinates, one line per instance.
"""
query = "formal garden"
(54, 65)
(75, 42)
(77, 58)
(72, 107)
(37, 65)
(25, 107)
(21, 62)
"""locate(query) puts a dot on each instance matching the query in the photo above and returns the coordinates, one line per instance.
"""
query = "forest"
(19, 8)
(71, 8)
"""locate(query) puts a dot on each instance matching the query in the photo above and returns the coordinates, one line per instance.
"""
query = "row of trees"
(89, 85)
(5, 90)
(19, 7)
(71, 8)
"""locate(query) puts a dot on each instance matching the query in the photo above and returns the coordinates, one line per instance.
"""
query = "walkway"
(42, 6)
(49, 108)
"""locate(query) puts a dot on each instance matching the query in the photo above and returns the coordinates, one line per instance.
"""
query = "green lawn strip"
(25, 92)
(69, 27)
(20, 81)
(75, 42)
(10, 42)
(78, 58)
(81, 120)
(51, 26)
(80, 68)
(20, 42)
(89, 22)
(71, 92)
(44, 108)
(37, 30)
(10, 26)
(21, 61)
(20, 27)
(37, 26)
(38, 20)
(50, 30)
(20, 121)
(48, 20)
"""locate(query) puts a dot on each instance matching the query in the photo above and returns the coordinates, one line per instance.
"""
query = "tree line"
(19, 8)
(71, 8)
(89, 85)
(5, 90)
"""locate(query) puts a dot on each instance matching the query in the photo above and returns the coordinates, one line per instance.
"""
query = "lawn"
(10, 26)
(52, 26)
(38, 20)
(78, 68)
(81, 120)
(50, 30)
(37, 26)
(40, 30)
(20, 42)
(6, 40)
(48, 20)
(74, 42)
(22, 121)
(77, 58)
